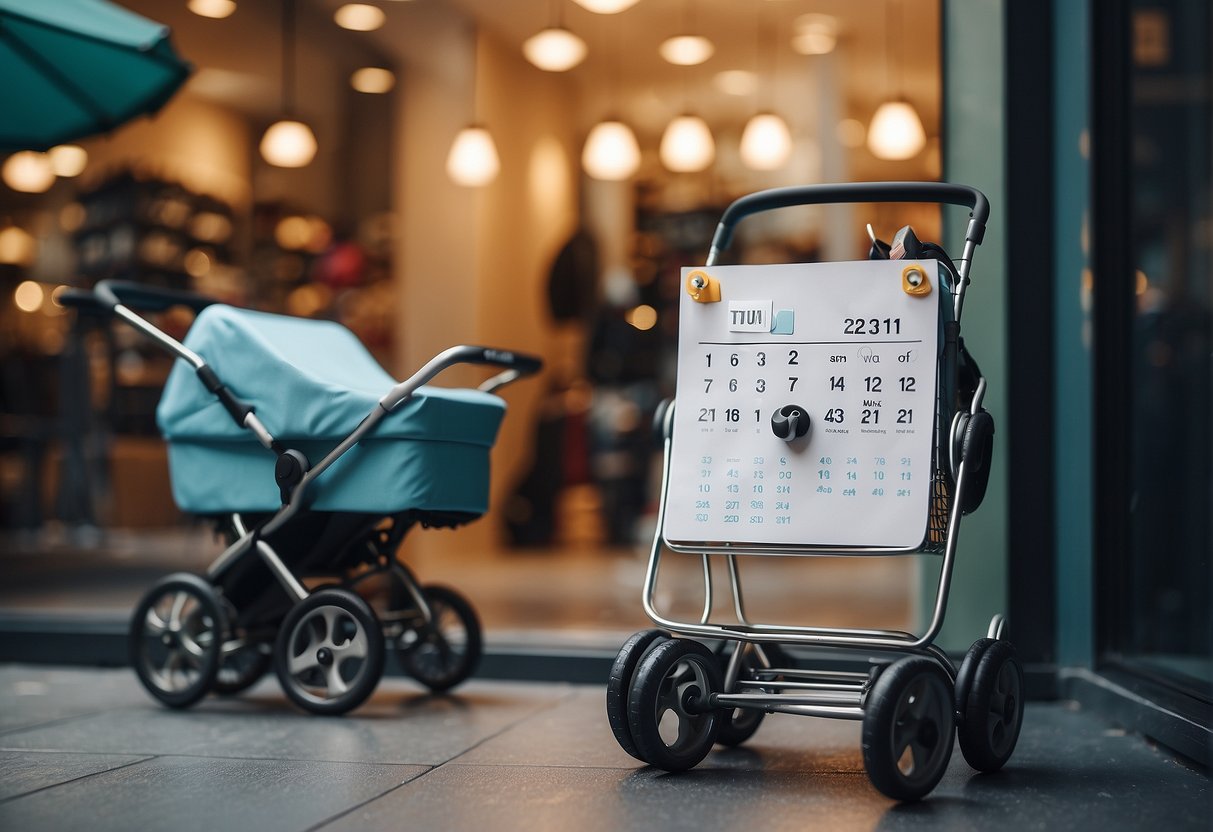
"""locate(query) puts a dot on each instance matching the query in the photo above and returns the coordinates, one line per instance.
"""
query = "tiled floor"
(87, 749)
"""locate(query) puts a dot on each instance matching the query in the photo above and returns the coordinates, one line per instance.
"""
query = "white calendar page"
(849, 346)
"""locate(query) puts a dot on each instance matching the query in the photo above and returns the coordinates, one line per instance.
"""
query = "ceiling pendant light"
(289, 142)
(687, 145)
(766, 142)
(686, 50)
(473, 160)
(606, 6)
(896, 131)
(554, 49)
(29, 172)
(611, 151)
(215, 9)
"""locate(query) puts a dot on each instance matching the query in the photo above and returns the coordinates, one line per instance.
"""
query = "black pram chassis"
(670, 698)
(219, 632)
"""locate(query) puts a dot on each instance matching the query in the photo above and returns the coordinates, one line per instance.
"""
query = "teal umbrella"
(74, 68)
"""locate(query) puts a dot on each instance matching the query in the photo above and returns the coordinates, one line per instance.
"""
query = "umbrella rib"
(58, 78)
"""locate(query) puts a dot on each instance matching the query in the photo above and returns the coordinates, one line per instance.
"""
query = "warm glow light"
(288, 144)
(816, 34)
(643, 317)
(218, 9)
(28, 172)
(686, 50)
(736, 82)
(197, 262)
(554, 50)
(359, 17)
(611, 151)
(292, 233)
(851, 132)
(473, 158)
(28, 296)
(68, 160)
(606, 6)
(766, 142)
(687, 145)
(16, 247)
(896, 132)
(1142, 282)
(373, 79)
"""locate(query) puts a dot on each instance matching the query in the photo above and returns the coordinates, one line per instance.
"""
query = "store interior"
(557, 243)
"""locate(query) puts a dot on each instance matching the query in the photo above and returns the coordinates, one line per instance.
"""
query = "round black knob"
(790, 422)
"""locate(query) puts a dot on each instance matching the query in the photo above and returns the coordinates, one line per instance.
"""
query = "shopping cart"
(822, 409)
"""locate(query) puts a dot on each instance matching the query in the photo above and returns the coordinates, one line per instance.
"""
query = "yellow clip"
(702, 287)
(914, 281)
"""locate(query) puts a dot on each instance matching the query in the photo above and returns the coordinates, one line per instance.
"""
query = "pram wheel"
(242, 668)
(667, 710)
(620, 682)
(447, 650)
(989, 699)
(908, 727)
(329, 652)
(175, 639)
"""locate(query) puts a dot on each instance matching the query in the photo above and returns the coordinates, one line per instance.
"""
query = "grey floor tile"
(28, 771)
(31, 695)
(202, 795)
(505, 798)
(398, 725)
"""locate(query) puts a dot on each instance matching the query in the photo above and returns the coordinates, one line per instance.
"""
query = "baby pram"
(778, 446)
(313, 461)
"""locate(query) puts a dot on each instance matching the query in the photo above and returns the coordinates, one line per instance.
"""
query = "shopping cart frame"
(758, 675)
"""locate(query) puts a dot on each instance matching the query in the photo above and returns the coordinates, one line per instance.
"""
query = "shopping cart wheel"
(671, 724)
(739, 724)
(329, 652)
(990, 704)
(447, 650)
(908, 727)
(620, 682)
(175, 639)
(242, 668)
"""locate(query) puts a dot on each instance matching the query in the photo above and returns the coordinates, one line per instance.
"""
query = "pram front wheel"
(620, 682)
(671, 724)
(329, 652)
(446, 650)
(908, 727)
(176, 637)
(989, 698)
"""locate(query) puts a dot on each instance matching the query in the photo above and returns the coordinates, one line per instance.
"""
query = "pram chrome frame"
(832, 693)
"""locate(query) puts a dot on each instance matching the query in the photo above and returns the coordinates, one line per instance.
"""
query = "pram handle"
(108, 294)
(516, 365)
(940, 192)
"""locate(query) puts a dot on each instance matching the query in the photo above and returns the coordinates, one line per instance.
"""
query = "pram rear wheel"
(620, 682)
(445, 651)
(242, 668)
(175, 639)
(990, 703)
(908, 728)
(671, 724)
(329, 652)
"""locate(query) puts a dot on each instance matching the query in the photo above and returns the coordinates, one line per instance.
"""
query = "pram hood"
(307, 379)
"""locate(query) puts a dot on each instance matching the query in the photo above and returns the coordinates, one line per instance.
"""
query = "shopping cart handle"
(940, 192)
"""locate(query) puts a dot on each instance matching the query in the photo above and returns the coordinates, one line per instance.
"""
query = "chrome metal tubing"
(706, 615)
(284, 575)
(255, 425)
(163, 339)
(783, 685)
(499, 380)
(233, 552)
(735, 582)
(732, 670)
(743, 700)
(831, 711)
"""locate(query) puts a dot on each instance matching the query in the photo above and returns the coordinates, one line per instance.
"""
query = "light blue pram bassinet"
(314, 463)
(311, 382)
